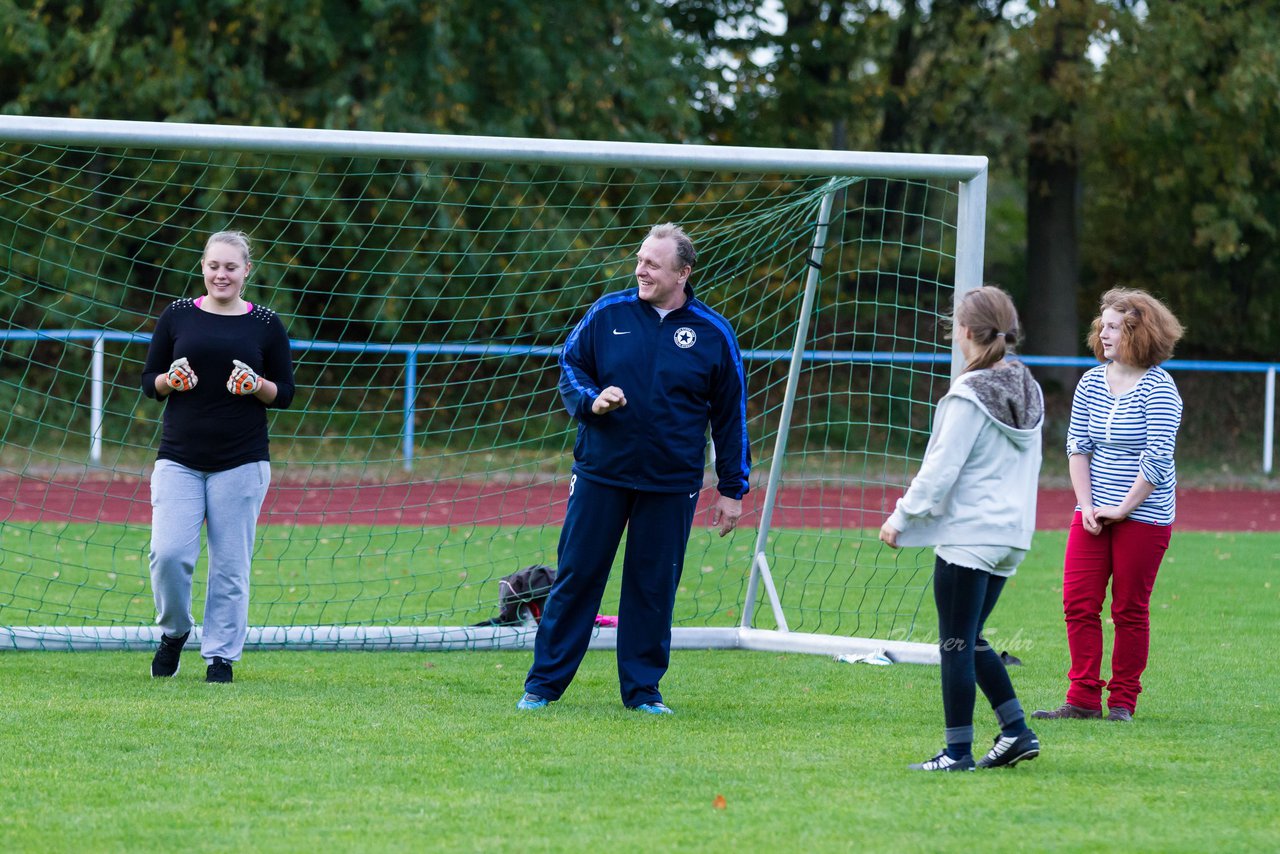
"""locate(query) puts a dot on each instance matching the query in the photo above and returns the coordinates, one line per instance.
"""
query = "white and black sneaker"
(168, 657)
(943, 762)
(1010, 750)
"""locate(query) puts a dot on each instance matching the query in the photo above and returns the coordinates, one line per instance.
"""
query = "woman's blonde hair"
(1148, 331)
(989, 315)
(238, 240)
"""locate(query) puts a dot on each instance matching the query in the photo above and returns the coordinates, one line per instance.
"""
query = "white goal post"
(834, 266)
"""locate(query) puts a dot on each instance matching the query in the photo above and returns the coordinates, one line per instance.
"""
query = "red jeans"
(1127, 554)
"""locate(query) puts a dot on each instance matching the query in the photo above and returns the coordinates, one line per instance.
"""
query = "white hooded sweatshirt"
(977, 483)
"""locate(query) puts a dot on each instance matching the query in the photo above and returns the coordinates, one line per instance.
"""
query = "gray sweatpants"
(181, 500)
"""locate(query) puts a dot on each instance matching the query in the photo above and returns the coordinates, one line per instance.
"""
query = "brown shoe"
(1119, 713)
(1066, 710)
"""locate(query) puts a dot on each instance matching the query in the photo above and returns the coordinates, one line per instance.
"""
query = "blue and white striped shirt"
(1127, 435)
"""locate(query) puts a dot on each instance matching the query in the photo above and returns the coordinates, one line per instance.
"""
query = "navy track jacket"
(678, 373)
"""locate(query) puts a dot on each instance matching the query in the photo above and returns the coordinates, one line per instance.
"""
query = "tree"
(1052, 79)
(596, 69)
(858, 74)
(605, 69)
(1185, 172)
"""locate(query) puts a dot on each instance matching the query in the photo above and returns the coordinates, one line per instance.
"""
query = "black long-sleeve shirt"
(208, 428)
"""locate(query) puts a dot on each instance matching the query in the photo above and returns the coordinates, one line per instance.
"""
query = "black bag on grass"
(521, 596)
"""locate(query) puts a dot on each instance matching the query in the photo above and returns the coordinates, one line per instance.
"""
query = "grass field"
(411, 751)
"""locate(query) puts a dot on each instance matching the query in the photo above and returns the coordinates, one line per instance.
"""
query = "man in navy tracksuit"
(643, 373)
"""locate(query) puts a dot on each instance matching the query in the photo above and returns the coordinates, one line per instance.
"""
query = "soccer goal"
(428, 283)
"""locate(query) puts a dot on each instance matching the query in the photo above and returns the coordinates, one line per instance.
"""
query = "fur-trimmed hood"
(1009, 395)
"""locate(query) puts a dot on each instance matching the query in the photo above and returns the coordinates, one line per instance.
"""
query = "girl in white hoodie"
(974, 499)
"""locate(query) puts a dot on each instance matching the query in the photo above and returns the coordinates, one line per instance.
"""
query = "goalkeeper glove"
(243, 380)
(180, 376)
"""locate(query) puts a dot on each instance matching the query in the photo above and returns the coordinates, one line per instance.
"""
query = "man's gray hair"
(687, 255)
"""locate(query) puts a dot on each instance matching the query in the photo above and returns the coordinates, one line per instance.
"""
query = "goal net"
(427, 283)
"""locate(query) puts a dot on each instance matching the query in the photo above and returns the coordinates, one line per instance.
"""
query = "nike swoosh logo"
(616, 332)
(693, 495)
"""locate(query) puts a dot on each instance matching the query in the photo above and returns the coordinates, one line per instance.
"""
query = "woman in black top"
(218, 362)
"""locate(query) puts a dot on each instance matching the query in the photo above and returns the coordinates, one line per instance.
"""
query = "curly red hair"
(1149, 330)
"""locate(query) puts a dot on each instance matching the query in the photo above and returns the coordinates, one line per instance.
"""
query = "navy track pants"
(657, 526)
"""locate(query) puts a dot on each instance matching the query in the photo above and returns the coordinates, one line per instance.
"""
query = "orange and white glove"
(243, 379)
(180, 376)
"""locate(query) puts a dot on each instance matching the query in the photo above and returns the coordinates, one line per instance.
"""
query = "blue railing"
(411, 353)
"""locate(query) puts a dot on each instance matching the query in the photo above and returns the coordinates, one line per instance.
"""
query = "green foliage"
(850, 75)
(1168, 111)
(419, 252)
(1185, 175)
(1168, 108)
(607, 69)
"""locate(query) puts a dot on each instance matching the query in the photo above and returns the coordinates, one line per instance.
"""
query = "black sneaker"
(1010, 750)
(1120, 713)
(943, 762)
(219, 670)
(168, 657)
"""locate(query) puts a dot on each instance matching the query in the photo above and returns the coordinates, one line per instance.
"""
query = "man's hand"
(726, 512)
(608, 400)
(243, 379)
(180, 376)
(889, 535)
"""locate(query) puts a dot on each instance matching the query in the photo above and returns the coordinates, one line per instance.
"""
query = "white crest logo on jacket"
(685, 337)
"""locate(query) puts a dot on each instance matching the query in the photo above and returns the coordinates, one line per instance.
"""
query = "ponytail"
(989, 315)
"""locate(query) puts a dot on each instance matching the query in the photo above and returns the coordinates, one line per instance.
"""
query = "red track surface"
(456, 502)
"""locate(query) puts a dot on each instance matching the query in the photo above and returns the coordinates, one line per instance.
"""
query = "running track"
(456, 502)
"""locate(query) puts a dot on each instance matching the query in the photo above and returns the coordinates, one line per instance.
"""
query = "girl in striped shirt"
(1120, 443)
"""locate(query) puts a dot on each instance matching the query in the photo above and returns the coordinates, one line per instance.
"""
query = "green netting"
(426, 453)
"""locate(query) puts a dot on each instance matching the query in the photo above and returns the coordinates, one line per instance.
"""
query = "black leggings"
(965, 598)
